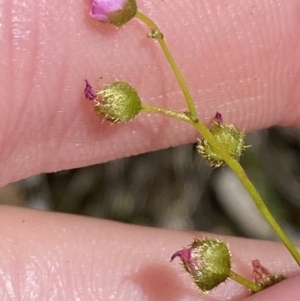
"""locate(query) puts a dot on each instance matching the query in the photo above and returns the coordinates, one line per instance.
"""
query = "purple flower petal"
(101, 9)
(184, 255)
(218, 117)
(89, 92)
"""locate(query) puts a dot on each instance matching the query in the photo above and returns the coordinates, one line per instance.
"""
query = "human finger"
(51, 256)
(241, 59)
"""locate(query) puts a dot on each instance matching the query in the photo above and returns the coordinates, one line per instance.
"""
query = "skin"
(239, 58)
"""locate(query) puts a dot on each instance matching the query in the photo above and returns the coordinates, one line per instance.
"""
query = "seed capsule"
(207, 261)
(118, 102)
(232, 139)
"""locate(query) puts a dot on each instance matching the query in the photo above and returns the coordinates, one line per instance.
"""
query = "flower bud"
(229, 136)
(207, 261)
(117, 102)
(263, 277)
(117, 12)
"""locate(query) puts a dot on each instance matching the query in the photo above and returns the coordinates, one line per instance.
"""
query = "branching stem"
(192, 118)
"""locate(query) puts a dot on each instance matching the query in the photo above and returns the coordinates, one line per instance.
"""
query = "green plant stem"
(240, 173)
(176, 70)
(165, 111)
(245, 282)
(216, 145)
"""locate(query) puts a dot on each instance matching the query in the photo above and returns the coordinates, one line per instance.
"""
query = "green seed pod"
(121, 17)
(229, 136)
(118, 102)
(207, 261)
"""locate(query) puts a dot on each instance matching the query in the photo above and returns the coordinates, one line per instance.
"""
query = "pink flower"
(117, 12)
(101, 9)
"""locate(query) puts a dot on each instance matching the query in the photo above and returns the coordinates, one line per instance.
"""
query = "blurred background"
(175, 188)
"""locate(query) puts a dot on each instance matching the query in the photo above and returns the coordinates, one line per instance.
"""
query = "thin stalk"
(165, 111)
(174, 66)
(245, 282)
(216, 145)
